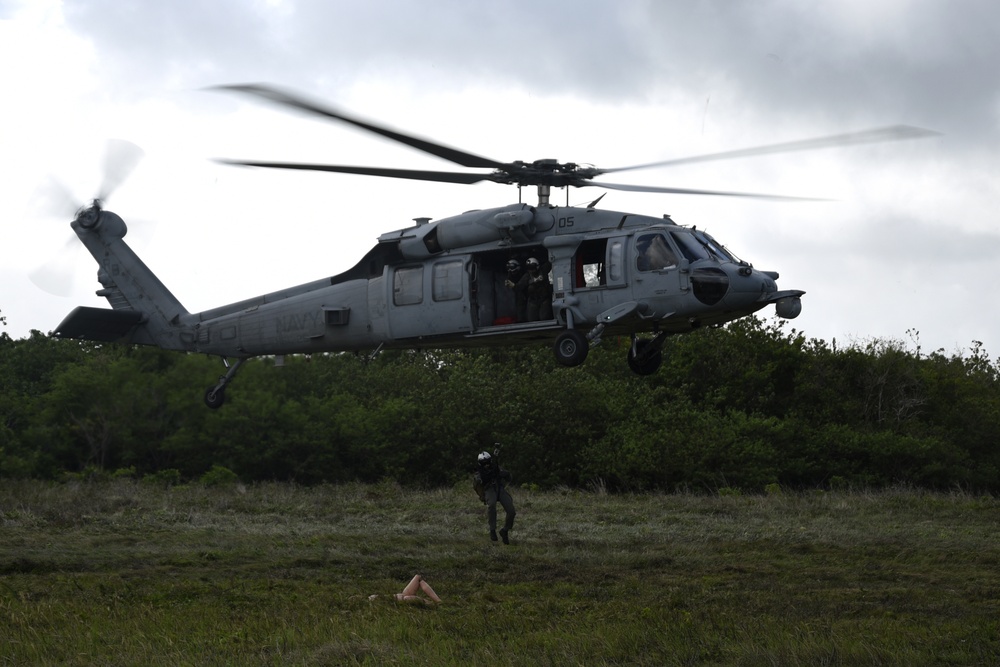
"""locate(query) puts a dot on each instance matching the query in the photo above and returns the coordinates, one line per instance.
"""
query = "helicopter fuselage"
(444, 284)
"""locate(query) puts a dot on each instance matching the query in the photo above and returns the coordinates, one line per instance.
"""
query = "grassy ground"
(127, 573)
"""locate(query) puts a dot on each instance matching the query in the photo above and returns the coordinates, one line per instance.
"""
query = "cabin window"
(408, 286)
(653, 253)
(446, 284)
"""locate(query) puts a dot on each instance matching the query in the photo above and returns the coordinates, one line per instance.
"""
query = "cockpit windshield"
(692, 249)
(717, 248)
(696, 245)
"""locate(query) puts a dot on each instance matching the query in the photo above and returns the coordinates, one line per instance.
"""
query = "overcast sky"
(909, 242)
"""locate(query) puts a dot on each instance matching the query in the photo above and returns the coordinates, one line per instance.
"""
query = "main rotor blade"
(689, 191)
(413, 174)
(297, 102)
(892, 133)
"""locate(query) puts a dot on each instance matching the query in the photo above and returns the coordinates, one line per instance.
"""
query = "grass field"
(129, 573)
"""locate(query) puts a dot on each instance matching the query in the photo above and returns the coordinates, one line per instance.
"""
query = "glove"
(509, 284)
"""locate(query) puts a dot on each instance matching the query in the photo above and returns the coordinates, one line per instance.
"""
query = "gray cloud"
(919, 63)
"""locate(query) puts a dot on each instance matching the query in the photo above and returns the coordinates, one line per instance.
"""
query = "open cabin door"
(600, 273)
(600, 263)
(430, 298)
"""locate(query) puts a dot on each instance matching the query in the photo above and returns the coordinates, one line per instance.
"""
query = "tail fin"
(143, 311)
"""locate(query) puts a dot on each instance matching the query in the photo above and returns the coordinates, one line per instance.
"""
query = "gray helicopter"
(517, 274)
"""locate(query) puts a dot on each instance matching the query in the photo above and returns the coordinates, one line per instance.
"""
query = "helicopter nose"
(751, 281)
(756, 289)
(749, 288)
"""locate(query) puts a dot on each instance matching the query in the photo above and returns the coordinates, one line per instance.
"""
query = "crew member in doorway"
(513, 282)
(538, 290)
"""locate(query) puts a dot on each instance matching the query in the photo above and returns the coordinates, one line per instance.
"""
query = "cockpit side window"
(653, 253)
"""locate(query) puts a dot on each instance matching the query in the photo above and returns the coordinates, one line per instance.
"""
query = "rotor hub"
(88, 216)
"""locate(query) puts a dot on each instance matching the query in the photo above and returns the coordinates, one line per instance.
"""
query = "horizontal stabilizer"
(99, 324)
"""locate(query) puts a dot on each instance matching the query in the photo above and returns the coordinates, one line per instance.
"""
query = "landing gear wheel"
(644, 364)
(571, 347)
(214, 398)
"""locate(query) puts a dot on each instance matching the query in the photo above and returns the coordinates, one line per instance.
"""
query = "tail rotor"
(57, 275)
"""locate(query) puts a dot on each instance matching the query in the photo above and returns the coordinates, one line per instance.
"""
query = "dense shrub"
(747, 406)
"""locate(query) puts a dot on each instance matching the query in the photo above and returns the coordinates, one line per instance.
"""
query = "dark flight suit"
(538, 291)
(513, 282)
(493, 478)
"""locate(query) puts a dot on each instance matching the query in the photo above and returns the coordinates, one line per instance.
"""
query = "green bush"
(219, 476)
(747, 406)
(165, 478)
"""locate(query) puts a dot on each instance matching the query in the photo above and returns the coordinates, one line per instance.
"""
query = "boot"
(503, 536)
(493, 535)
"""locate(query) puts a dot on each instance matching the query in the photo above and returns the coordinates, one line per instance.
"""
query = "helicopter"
(461, 281)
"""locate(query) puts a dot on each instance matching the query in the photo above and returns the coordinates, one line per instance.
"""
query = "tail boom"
(143, 311)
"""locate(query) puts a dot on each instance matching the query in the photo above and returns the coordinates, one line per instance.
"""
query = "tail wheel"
(571, 347)
(214, 398)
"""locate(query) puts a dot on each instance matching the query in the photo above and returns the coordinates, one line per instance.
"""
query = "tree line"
(745, 406)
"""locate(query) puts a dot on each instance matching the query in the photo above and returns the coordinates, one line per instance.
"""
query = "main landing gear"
(571, 347)
(645, 355)
(216, 396)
